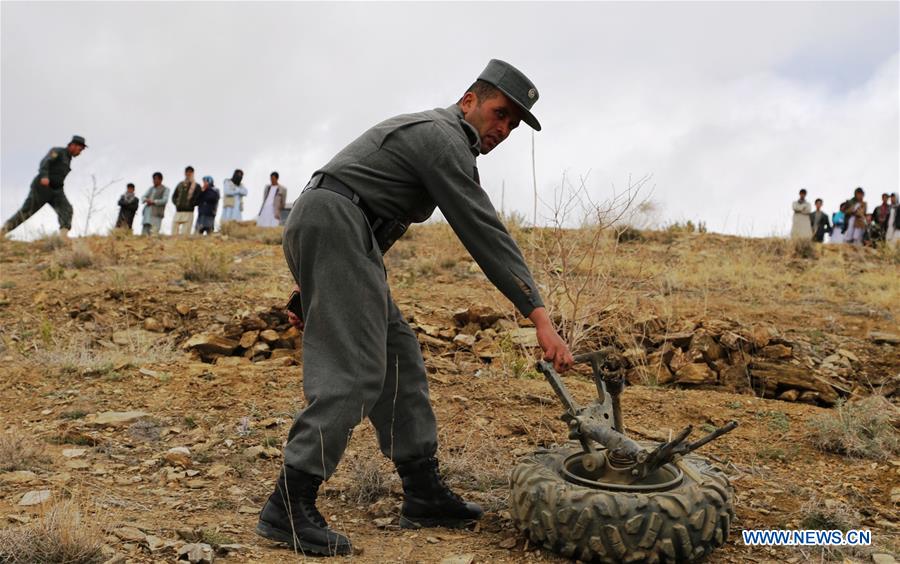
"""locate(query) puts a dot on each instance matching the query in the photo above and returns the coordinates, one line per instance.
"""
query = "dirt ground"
(75, 343)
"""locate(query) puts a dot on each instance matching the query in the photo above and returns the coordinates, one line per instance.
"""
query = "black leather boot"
(428, 502)
(290, 516)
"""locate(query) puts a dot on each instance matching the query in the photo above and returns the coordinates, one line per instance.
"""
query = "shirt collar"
(471, 133)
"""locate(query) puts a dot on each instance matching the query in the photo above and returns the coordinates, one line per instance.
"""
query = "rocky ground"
(151, 383)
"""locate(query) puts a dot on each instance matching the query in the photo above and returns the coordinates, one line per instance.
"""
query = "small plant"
(73, 414)
(214, 538)
(59, 535)
(775, 420)
(80, 257)
(51, 242)
(804, 249)
(189, 422)
(368, 480)
(828, 515)
(18, 452)
(206, 268)
(863, 429)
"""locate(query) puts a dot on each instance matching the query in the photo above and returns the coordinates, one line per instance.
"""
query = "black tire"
(682, 524)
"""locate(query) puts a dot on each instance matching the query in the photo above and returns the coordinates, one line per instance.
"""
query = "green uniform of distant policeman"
(47, 187)
(360, 357)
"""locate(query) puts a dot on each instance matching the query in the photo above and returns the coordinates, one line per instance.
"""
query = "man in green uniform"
(360, 357)
(47, 187)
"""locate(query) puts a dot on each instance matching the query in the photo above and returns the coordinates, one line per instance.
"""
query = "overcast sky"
(732, 107)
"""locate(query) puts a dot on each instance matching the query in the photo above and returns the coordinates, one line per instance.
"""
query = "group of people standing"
(852, 223)
(189, 195)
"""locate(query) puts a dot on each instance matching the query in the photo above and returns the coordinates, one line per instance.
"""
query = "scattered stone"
(695, 373)
(248, 339)
(776, 351)
(895, 495)
(248, 510)
(219, 470)
(226, 549)
(205, 343)
(260, 451)
(154, 544)
(35, 497)
(116, 559)
(270, 336)
(178, 459)
(73, 452)
(848, 355)
(789, 395)
(18, 477)
(183, 309)
(482, 315)
(880, 338)
(151, 324)
(383, 522)
(18, 519)
(508, 543)
(196, 553)
(773, 376)
(464, 341)
(432, 540)
(117, 418)
(130, 534)
(883, 558)
(78, 465)
(525, 337)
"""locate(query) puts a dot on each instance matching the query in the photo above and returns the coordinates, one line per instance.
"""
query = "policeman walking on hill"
(360, 357)
(47, 187)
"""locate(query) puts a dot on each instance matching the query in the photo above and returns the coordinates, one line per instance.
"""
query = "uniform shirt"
(406, 166)
(55, 166)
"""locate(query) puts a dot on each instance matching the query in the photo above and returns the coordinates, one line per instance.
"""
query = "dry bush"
(19, 452)
(249, 230)
(50, 242)
(477, 465)
(804, 249)
(864, 428)
(829, 515)
(79, 355)
(368, 479)
(58, 536)
(575, 259)
(80, 256)
(206, 267)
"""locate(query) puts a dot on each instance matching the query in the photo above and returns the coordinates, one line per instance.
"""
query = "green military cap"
(78, 140)
(510, 80)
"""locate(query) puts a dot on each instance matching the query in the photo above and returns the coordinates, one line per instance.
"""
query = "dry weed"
(478, 466)
(248, 230)
(19, 452)
(206, 268)
(58, 536)
(79, 257)
(865, 429)
(368, 479)
(51, 242)
(78, 355)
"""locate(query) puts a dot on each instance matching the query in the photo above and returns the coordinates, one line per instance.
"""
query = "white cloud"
(731, 106)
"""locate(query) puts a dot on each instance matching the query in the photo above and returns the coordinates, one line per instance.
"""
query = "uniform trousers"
(39, 196)
(360, 357)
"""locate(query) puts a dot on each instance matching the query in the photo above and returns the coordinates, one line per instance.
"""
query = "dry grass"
(79, 355)
(369, 479)
(51, 242)
(861, 429)
(80, 256)
(19, 452)
(58, 536)
(206, 267)
(478, 465)
(249, 231)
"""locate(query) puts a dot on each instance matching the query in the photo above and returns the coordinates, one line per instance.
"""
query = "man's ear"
(469, 102)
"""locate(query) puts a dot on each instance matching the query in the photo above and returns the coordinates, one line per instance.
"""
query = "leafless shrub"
(803, 248)
(50, 242)
(19, 452)
(477, 466)
(368, 479)
(80, 256)
(206, 267)
(58, 536)
(828, 515)
(147, 430)
(81, 356)
(572, 255)
(865, 429)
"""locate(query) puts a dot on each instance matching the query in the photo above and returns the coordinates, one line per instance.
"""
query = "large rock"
(779, 376)
(117, 418)
(205, 343)
(525, 337)
(776, 351)
(35, 497)
(707, 347)
(482, 315)
(270, 336)
(884, 338)
(695, 374)
(197, 553)
(248, 339)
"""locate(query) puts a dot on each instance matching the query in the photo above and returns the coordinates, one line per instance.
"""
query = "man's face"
(130, 189)
(157, 181)
(75, 149)
(893, 200)
(189, 175)
(802, 196)
(858, 196)
(493, 118)
(884, 198)
(818, 206)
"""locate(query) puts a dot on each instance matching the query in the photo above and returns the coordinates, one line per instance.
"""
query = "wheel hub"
(598, 472)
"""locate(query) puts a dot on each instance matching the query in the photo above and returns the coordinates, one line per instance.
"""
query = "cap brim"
(527, 116)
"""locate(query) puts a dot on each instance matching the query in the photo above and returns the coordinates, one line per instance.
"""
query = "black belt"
(332, 184)
(386, 231)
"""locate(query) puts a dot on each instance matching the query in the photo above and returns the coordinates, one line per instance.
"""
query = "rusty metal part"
(624, 463)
